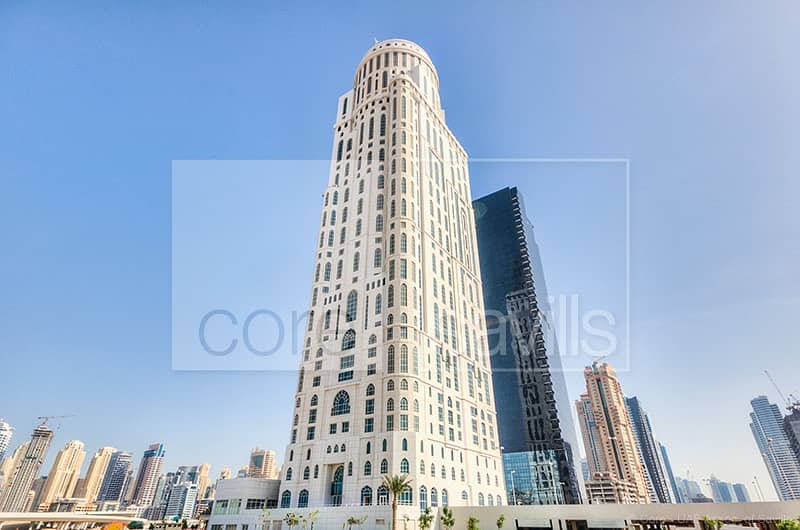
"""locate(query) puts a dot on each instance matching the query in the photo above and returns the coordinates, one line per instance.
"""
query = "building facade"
(766, 424)
(89, 487)
(63, 475)
(395, 376)
(533, 409)
(676, 494)
(791, 426)
(15, 494)
(116, 479)
(6, 432)
(262, 464)
(657, 478)
(618, 462)
(144, 488)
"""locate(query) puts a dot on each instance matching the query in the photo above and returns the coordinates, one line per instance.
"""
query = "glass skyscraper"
(767, 427)
(536, 432)
(657, 478)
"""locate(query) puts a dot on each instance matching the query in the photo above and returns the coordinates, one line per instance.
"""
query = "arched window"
(403, 384)
(390, 385)
(423, 498)
(335, 198)
(465, 497)
(306, 473)
(351, 308)
(383, 116)
(390, 296)
(367, 469)
(286, 499)
(349, 466)
(390, 405)
(404, 466)
(404, 357)
(444, 498)
(349, 340)
(403, 404)
(356, 260)
(378, 304)
(327, 274)
(376, 262)
(341, 404)
(434, 498)
(384, 445)
(339, 150)
(491, 500)
(383, 495)
(404, 443)
(302, 499)
(480, 499)
(314, 400)
(379, 223)
(289, 474)
(316, 471)
(366, 496)
(371, 128)
(370, 390)
(390, 360)
(384, 466)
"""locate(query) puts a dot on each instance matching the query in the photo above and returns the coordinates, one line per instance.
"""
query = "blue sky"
(98, 99)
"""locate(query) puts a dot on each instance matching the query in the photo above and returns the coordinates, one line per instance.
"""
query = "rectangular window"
(310, 433)
(403, 422)
(317, 381)
(345, 376)
(220, 507)
(369, 407)
(347, 362)
(255, 504)
(371, 369)
(390, 422)
(345, 426)
(369, 425)
(333, 428)
(312, 416)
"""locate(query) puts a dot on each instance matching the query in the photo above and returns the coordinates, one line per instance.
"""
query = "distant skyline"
(699, 97)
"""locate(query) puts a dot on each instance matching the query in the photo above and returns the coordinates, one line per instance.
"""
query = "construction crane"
(789, 401)
(46, 418)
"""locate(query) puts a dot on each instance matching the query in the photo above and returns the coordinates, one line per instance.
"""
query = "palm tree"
(712, 524)
(501, 521)
(448, 519)
(472, 523)
(425, 519)
(397, 485)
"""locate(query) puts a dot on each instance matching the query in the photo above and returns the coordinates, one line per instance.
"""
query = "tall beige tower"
(63, 475)
(262, 464)
(616, 472)
(89, 487)
(203, 480)
(395, 374)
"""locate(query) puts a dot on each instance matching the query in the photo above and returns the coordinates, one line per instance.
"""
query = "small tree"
(712, 524)
(356, 521)
(789, 524)
(448, 519)
(265, 519)
(425, 519)
(472, 523)
(501, 521)
(292, 519)
(312, 518)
